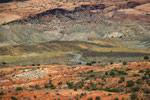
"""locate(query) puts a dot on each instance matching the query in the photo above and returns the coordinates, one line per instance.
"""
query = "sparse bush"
(138, 81)
(35, 96)
(87, 88)
(45, 85)
(75, 89)
(89, 64)
(70, 85)
(120, 72)
(147, 72)
(4, 63)
(134, 89)
(97, 98)
(102, 84)
(146, 90)
(143, 77)
(2, 93)
(130, 83)
(135, 75)
(146, 57)
(52, 86)
(111, 63)
(116, 99)
(124, 63)
(133, 96)
(122, 79)
(112, 73)
(148, 81)
(141, 71)
(113, 89)
(86, 78)
(19, 88)
(128, 69)
(106, 73)
(59, 83)
(93, 62)
(13, 98)
(92, 75)
(93, 87)
(33, 64)
(90, 71)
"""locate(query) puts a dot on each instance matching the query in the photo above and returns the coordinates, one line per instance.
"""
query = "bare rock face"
(114, 35)
(31, 75)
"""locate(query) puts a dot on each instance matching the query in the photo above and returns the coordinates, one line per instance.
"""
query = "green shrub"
(111, 63)
(90, 71)
(70, 85)
(147, 72)
(102, 84)
(3, 63)
(92, 75)
(133, 96)
(33, 64)
(141, 71)
(146, 57)
(59, 83)
(120, 72)
(122, 79)
(93, 62)
(89, 64)
(87, 88)
(112, 73)
(93, 87)
(35, 96)
(116, 99)
(146, 90)
(148, 81)
(86, 78)
(130, 83)
(113, 89)
(75, 89)
(124, 63)
(45, 85)
(106, 73)
(138, 81)
(13, 98)
(2, 93)
(135, 75)
(97, 98)
(128, 69)
(52, 86)
(136, 88)
(19, 88)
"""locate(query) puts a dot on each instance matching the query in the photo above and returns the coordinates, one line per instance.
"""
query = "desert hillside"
(74, 49)
(118, 81)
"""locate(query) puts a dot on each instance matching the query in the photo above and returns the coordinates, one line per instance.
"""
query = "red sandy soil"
(13, 77)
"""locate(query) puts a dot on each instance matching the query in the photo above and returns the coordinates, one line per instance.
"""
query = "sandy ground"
(32, 79)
